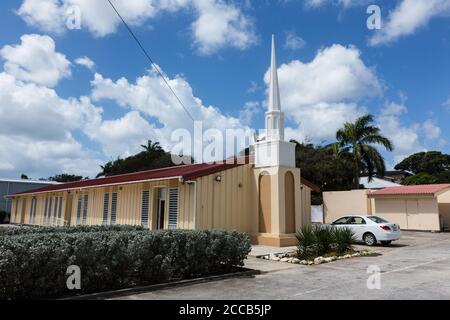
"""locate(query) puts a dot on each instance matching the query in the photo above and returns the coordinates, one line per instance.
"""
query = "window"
(343, 220)
(377, 219)
(33, 211)
(145, 208)
(60, 210)
(356, 220)
(79, 202)
(173, 208)
(105, 208)
(45, 210)
(15, 209)
(55, 211)
(49, 211)
(113, 208)
(85, 208)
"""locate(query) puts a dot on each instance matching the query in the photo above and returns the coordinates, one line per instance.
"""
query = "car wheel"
(369, 239)
(386, 243)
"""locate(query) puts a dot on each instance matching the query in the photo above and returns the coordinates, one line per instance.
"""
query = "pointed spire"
(274, 90)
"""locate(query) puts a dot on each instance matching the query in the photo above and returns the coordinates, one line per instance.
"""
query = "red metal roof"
(424, 189)
(183, 172)
(310, 185)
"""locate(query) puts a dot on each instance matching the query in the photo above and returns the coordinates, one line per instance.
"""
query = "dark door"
(162, 206)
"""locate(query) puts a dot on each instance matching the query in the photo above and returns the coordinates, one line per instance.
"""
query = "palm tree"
(357, 140)
(151, 146)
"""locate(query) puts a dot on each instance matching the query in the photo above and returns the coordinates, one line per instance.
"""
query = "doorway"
(161, 208)
(412, 215)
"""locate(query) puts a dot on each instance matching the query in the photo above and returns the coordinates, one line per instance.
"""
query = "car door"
(358, 226)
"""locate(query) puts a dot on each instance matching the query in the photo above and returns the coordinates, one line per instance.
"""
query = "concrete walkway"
(265, 250)
(416, 267)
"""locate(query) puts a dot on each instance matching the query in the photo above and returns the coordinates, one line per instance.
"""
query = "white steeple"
(274, 151)
(274, 116)
(274, 91)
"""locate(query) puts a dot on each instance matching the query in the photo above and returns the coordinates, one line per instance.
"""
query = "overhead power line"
(151, 61)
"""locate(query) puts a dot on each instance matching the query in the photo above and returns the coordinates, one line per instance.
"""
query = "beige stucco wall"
(228, 204)
(305, 203)
(444, 208)
(410, 212)
(340, 203)
(277, 175)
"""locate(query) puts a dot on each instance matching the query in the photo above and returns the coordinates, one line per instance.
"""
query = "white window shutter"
(173, 208)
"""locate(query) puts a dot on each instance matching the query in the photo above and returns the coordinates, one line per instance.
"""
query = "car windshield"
(377, 219)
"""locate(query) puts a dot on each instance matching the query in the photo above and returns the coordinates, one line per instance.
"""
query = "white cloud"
(408, 17)
(293, 41)
(446, 105)
(254, 87)
(319, 96)
(85, 61)
(220, 25)
(150, 96)
(123, 136)
(217, 24)
(407, 138)
(36, 128)
(97, 16)
(48, 15)
(342, 3)
(250, 110)
(431, 131)
(35, 60)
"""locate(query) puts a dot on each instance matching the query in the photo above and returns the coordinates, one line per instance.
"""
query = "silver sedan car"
(370, 229)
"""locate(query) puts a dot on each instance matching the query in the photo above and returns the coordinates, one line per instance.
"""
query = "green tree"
(23, 176)
(152, 157)
(64, 177)
(320, 165)
(431, 162)
(428, 168)
(420, 178)
(357, 140)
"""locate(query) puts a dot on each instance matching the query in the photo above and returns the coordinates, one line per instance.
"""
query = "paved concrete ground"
(264, 250)
(416, 267)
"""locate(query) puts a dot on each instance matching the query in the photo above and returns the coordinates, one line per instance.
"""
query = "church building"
(264, 195)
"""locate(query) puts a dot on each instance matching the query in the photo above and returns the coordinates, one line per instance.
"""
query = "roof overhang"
(95, 186)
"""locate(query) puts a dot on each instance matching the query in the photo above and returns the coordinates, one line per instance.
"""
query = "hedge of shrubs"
(34, 264)
(68, 229)
(323, 240)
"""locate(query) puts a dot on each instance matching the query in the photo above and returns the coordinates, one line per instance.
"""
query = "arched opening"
(265, 212)
(289, 194)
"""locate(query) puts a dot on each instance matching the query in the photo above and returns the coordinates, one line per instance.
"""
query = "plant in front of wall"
(306, 242)
(343, 239)
(324, 239)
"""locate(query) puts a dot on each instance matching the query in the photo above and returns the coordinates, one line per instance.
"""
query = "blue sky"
(62, 114)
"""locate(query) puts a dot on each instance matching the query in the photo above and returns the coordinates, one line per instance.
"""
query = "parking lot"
(415, 267)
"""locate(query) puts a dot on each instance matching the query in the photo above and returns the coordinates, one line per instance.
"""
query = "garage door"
(412, 214)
